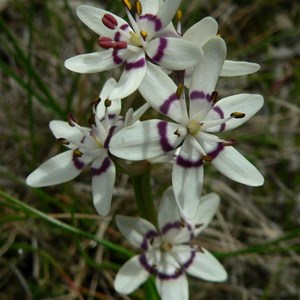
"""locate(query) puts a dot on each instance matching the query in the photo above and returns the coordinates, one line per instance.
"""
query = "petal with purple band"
(187, 179)
(103, 181)
(163, 99)
(58, 169)
(249, 104)
(234, 165)
(146, 140)
(132, 76)
(207, 267)
(125, 283)
(96, 62)
(92, 17)
(206, 74)
(173, 289)
(173, 53)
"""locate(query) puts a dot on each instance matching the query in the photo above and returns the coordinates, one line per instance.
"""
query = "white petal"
(202, 31)
(173, 53)
(57, 169)
(146, 140)
(173, 288)
(115, 107)
(135, 230)
(207, 267)
(207, 209)
(103, 181)
(96, 62)
(187, 179)
(62, 129)
(164, 98)
(205, 77)
(234, 165)
(249, 104)
(168, 211)
(92, 17)
(132, 76)
(130, 276)
(238, 68)
(167, 11)
(150, 7)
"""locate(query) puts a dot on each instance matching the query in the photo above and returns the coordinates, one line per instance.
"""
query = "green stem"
(143, 195)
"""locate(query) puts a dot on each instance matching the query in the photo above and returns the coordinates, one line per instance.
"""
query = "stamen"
(166, 246)
(127, 3)
(180, 89)
(107, 103)
(95, 103)
(213, 97)
(231, 142)
(138, 7)
(63, 141)
(107, 43)
(193, 127)
(109, 21)
(179, 15)
(77, 153)
(198, 225)
(182, 223)
(237, 115)
(176, 132)
(135, 39)
(144, 34)
(71, 119)
(91, 119)
(207, 158)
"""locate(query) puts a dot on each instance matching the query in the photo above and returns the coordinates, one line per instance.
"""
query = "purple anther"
(109, 21)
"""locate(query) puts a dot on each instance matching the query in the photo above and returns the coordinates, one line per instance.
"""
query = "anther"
(237, 115)
(214, 96)
(138, 7)
(109, 21)
(151, 241)
(154, 266)
(231, 142)
(95, 102)
(207, 158)
(176, 132)
(182, 223)
(77, 153)
(180, 89)
(71, 119)
(127, 3)
(63, 141)
(198, 225)
(144, 34)
(105, 42)
(91, 119)
(179, 15)
(107, 103)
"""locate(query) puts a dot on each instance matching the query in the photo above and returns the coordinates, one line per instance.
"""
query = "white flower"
(150, 35)
(167, 252)
(200, 33)
(194, 128)
(87, 146)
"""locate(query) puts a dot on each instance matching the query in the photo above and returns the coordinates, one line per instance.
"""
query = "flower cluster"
(177, 75)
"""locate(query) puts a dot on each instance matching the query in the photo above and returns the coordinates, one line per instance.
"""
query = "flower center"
(135, 39)
(166, 247)
(193, 127)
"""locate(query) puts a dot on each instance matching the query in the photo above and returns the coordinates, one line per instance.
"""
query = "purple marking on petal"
(148, 237)
(164, 142)
(177, 225)
(109, 136)
(186, 163)
(154, 19)
(135, 65)
(117, 60)
(164, 108)
(103, 168)
(160, 50)
(200, 95)
(145, 265)
(216, 152)
(77, 162)
(219, 111)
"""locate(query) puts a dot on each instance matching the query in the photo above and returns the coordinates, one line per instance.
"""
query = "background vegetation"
(54, 246)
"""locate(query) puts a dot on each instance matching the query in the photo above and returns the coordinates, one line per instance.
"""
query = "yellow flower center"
(135, 39)
(193, 127)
